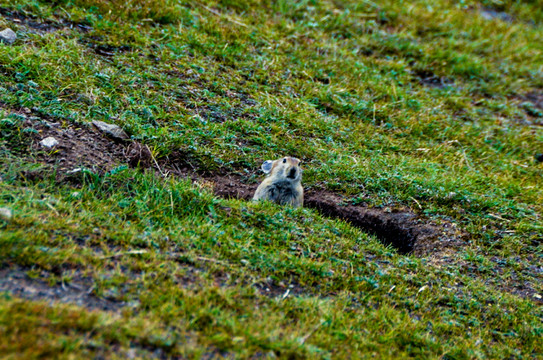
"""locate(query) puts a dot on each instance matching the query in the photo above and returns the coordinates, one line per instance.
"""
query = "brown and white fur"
(283, 184)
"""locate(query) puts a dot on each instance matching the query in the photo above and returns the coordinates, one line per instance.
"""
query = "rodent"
(283, 184)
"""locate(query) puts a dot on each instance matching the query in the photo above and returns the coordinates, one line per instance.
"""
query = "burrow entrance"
(86, 147)
(400, 228)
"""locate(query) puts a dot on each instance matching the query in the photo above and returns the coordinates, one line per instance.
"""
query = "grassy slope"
(336, 84)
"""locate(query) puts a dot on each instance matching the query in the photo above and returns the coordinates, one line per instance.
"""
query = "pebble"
(489, 14)
(111, 130)
(8, 36)
(5, 213)
(49, 142)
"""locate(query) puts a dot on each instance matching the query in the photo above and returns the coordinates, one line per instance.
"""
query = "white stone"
(76, 194)
(5, 213)
(110, 129)
(8, 36)
(74, 171)
(49, 142)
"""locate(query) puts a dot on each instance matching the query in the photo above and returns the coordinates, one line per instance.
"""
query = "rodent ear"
(267, 166)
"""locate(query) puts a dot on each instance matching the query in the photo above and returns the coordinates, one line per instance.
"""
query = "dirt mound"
(79, 147)
(232, 187)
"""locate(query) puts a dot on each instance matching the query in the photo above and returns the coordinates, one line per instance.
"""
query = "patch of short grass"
(420, 105)
(199, 258)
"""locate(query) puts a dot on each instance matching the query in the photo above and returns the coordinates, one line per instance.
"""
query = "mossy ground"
(432, 105)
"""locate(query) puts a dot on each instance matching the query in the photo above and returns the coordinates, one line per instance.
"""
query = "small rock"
(76, 194)
(5, 214)
(49, 142)
(131, 354)
(111, 130)
(490, 14)
(539, 157)
(51, 124)
(8, 36)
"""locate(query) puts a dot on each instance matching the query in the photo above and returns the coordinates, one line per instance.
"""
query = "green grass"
(230, 84)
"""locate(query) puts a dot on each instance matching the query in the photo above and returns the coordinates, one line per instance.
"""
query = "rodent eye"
(284, 160)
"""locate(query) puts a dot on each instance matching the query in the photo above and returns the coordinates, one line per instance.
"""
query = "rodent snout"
(292, 173)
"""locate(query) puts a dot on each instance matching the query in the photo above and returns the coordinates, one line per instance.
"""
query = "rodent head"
(287, 168)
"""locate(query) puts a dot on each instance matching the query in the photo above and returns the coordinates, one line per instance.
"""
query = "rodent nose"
(292, 173)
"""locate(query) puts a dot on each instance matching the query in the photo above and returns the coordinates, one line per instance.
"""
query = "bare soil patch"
(39, 25)
(77, 292)
(532, 104)
(265, 287)
(428, 78)
(535, 98)
(79, 147)
(101, 47)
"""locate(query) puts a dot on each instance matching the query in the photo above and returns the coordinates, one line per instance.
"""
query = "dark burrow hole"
(390, 228)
